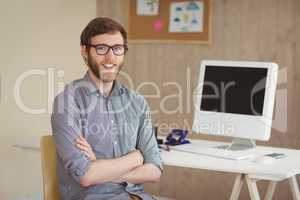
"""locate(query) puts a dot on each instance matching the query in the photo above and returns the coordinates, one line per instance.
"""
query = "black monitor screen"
(238, 90)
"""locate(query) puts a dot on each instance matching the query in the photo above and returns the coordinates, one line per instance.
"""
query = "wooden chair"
(50, 180)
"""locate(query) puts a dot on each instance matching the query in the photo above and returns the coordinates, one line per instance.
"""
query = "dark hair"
(102, 25)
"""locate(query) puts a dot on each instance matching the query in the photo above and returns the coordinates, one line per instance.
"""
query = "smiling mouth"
(108, 66)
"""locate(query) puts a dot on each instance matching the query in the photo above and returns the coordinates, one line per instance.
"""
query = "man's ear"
(83, 52)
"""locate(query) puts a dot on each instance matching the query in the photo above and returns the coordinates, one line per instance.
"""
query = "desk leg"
(294, 187)
(238, 183)
(270, 190)
(252, 187)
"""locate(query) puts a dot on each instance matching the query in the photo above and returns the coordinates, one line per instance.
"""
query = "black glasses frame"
(109, 47)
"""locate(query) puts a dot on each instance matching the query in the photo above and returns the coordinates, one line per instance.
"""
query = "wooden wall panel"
(297, 8)
(286, 58)
(232, 29)
(154, 82)
(218, 31)
(297, 111)
(267, 30)
(297, 66)
(250, 12)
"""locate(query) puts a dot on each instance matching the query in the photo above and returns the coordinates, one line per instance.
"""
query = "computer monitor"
(236, 99)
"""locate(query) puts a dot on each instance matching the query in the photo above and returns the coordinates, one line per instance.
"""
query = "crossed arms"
(127, 168)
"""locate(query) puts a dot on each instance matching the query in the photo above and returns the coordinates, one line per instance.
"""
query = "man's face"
(105, 67)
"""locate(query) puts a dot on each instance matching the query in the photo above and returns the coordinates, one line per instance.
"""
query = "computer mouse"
(264, 160)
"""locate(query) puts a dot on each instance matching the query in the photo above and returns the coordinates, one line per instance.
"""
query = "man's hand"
(137, 153)
(85, 148)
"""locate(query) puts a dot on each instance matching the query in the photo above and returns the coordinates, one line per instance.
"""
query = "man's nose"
(110, 53)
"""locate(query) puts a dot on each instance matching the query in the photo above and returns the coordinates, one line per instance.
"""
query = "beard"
(99, 71)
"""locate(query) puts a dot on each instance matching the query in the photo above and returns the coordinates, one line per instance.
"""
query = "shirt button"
(116, 142)
(112, 121)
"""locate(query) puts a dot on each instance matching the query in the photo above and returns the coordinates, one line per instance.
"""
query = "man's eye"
(102, 48)
(118, 48)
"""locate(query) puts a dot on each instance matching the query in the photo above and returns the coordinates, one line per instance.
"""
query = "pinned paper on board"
(147, 7)
(189, 22)
(186, 16)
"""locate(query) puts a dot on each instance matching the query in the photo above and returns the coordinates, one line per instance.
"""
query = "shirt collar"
(118, 88)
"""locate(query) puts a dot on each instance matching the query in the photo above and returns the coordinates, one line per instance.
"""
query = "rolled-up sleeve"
(66, 128)
(146, 141)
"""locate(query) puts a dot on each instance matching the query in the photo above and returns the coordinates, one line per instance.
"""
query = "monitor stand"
(239, 144)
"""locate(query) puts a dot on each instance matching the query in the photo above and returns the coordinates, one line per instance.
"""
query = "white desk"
(284, 168)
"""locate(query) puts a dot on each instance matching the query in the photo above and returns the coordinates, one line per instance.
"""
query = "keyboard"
(214, 152)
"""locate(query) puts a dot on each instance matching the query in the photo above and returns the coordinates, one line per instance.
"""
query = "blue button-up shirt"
(112, 125)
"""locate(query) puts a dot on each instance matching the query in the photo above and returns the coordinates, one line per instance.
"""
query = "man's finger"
(84, 140)
(84, 143)
(82, 147)
(81, 142)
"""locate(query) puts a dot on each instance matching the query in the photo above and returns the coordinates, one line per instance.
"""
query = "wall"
(35, 35)
(257, 30)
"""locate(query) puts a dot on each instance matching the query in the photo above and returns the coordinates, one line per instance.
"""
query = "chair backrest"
(50, 179)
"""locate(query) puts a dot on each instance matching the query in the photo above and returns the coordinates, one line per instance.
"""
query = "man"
(102, 130)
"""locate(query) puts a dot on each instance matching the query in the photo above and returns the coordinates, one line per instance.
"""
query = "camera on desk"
(177, 137)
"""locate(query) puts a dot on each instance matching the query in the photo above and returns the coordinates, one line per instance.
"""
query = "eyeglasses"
(103, 49)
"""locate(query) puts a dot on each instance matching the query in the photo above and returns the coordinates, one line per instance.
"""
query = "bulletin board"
(156, 27)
